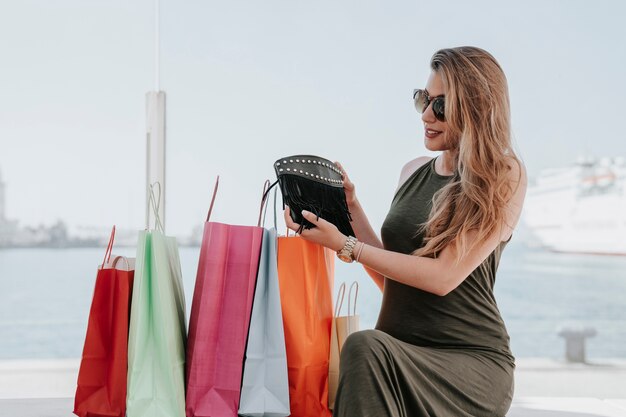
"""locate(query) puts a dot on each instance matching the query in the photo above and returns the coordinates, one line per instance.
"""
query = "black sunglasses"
(423, 100)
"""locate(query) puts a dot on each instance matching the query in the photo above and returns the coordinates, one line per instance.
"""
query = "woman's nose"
(429, 116)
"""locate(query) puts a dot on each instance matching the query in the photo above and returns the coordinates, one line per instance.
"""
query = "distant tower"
(2, 218)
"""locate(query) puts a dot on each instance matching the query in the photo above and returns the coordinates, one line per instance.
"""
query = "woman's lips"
(430, 133)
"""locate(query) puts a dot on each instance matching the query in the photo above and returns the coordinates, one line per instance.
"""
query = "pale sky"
(248, 82)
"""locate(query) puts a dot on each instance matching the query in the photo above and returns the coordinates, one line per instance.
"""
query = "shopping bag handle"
(265, 211)
(217, 183)
(339, 301)
(117, 258)
(356, 293)
(275, 228)
(107, 254)
(263, 208)
(155, 202)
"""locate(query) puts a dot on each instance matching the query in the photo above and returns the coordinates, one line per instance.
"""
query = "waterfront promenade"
(544, 388)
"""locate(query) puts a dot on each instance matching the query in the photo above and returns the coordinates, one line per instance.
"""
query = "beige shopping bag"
(342, 327)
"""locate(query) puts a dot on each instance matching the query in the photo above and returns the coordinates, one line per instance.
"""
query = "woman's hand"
(325, 233)
(348, 186)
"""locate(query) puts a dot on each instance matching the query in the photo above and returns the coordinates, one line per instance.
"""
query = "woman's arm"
(360, 223)
(365, 233)
(435, 275)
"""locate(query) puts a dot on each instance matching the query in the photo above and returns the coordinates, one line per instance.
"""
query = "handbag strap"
(107, 253)
(356, 293)
(266, 192)
(339, 301)
(274, 212)
(275, 222)
(264, 214)
(217, 183)
(155, 202)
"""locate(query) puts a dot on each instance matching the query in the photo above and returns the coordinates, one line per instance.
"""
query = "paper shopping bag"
(342, 327)
(265, 386)
(101, 387)
(305, 274)
(220, 316)
(156, 343)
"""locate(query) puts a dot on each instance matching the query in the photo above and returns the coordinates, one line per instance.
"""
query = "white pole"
(157, 45)
(2, 204)
(155, 134)
(155, 151)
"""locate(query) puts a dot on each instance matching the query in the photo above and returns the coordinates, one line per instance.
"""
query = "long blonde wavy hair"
(479, 130)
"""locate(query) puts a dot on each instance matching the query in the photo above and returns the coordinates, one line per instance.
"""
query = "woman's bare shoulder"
(517, 174)
(410, 167)
(518, 183)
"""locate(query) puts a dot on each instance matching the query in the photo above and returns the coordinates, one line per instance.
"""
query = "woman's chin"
(433, 145)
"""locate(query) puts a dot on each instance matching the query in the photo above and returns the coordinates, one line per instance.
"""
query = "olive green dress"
(429, 355)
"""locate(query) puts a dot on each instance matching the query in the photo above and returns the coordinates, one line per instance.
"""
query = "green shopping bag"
(157, 332)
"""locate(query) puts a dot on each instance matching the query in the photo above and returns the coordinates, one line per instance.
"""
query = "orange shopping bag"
(305, 275)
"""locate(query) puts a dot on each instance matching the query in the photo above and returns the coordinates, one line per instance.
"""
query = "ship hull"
(569, 213)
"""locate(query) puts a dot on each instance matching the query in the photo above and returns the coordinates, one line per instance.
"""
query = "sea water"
(45, 295)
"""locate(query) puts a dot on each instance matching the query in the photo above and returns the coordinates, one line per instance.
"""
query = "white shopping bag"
(265, 385)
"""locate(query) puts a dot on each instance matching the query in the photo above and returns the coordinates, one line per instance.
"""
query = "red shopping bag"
(305, 275)
(101, 389)
(220, 316)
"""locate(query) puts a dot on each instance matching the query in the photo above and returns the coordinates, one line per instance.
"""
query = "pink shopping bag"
(220, 316)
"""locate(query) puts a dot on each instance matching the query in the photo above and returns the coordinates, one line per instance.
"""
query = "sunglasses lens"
(420, 100)
(439, 108)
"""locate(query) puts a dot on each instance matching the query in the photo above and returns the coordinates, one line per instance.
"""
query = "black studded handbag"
(311, 183)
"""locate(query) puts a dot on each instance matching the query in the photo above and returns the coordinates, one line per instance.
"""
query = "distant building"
(8, 228)
(12, 235)
(60, 235)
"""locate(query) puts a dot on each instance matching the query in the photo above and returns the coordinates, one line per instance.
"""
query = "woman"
(440, 347)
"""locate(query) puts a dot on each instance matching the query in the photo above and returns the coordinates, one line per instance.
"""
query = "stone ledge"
(567, 407)
(523, 407)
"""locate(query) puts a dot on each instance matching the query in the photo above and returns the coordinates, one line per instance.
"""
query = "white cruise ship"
(580, 208)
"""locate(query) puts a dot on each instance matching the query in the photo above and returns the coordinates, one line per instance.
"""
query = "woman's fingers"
(348, 186)
(307, 215)
(311, 217)
(324, 232)
(289, 221)
(344, 174)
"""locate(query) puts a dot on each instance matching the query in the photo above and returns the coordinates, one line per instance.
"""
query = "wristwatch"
(346, 253)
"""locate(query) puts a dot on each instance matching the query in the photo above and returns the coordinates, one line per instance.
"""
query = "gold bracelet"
(358, 254)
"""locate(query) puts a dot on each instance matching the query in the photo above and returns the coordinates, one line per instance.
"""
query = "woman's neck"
(445, 163)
